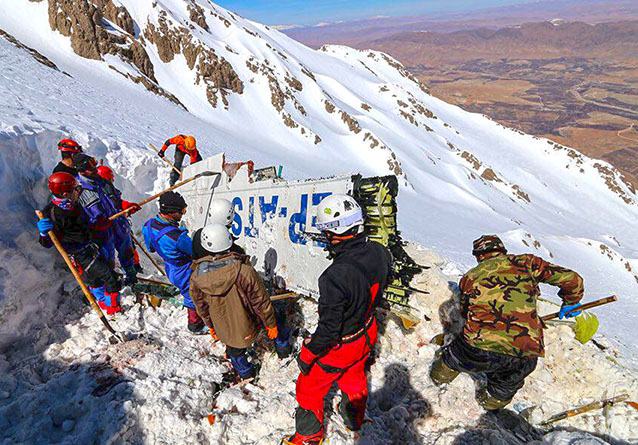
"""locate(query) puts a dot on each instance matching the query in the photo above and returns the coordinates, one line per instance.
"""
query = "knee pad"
(441, 374)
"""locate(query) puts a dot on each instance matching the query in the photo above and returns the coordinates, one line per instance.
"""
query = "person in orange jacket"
(184, 145)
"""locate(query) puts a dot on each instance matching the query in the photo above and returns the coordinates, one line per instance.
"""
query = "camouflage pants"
(505, 373)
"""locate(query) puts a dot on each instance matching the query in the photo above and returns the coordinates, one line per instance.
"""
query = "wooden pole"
(148, 255)
(76, 275)
(157, 195)
(584, 307)
(179, 172)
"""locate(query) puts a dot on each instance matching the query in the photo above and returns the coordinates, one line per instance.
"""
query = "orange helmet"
(69, 146)
(105, 173)
(190, 142)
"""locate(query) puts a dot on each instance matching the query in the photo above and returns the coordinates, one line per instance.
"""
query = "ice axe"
(586, 408)
(179, 172)
(587, 324)
(157, 195)
(87, 293)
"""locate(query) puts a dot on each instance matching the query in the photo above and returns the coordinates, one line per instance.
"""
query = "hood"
(216, 275)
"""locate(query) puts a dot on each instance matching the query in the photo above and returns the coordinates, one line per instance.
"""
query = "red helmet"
(105, 173)
(69, 146)
(62, 182)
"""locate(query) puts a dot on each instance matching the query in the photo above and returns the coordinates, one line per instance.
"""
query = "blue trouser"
(180, 276)
(125, 251)
(283, 331)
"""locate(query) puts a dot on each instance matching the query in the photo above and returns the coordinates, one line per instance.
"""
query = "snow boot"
(299, 439)
(112, 302)
(489, 402)
(244, 368)
(130, 275)
(283, 351)
(442, 374)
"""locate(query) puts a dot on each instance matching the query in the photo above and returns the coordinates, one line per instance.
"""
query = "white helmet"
(339, 213)
(221, 211)
(216, 238)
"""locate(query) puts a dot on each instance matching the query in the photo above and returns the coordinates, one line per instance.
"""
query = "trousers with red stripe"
(344, 364)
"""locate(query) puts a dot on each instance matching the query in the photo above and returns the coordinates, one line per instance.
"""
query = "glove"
(132, 207)
(45, 225)
(161, 154)
(272, 332)
(306, 359)
(566, 308)
(213, 333)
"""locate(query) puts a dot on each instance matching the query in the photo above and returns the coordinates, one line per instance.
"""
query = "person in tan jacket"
(232, 299)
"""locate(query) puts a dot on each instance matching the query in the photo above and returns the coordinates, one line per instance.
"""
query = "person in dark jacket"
(99, 205)
(232, 299)
(64, 216)
(350, 289)
(163, 235)
(68, 148)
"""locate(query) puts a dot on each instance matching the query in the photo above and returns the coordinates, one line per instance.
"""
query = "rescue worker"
(221, 212)
(231, 298)
(106, 173)
(99, 206)
(68, 148)
(162, 234)
(70, 224)
(184, 145)
(350, 289)
(503, 334)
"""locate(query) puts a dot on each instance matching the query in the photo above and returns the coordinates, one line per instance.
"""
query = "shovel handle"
(179, 172)
(584, 307)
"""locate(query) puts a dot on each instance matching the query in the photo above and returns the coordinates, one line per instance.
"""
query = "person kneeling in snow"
(163, 235)
(503, 334)
(99, 205)
(232, 299)
(106, 173)
(70, 224)
(350, 289)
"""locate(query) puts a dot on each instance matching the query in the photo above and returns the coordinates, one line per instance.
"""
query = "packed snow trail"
(158, 388)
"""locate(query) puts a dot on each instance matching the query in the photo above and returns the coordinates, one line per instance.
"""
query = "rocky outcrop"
(84, 23)
(216, 73)
(36, 55)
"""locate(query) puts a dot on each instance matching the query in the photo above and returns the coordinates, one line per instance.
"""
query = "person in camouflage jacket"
(503, 334)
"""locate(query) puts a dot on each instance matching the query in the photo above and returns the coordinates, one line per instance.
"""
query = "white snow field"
(462, 175)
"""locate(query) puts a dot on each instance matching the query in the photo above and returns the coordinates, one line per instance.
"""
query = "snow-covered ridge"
(317, 113)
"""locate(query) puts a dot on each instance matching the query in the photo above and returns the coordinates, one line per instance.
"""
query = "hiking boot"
(112, 310)
(489, 402)
(442, 374)
(196, 328)
(283, 351)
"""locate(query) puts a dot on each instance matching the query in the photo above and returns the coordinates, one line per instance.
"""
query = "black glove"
(161, 154)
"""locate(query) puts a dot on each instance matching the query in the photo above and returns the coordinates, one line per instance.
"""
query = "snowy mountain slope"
(256, 94)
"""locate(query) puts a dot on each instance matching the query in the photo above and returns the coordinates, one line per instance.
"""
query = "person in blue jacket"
(99, 205)
(163, 235)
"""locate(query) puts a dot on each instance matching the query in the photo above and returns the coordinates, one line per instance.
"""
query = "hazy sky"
(306, 12)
